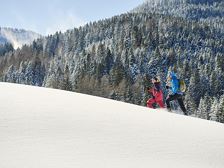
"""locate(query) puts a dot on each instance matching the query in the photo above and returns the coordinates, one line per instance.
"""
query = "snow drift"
(45, 128)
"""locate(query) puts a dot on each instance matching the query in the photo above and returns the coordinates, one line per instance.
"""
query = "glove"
(167, 87)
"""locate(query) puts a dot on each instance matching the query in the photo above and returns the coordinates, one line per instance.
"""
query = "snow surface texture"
(17, 37)
(47, 128)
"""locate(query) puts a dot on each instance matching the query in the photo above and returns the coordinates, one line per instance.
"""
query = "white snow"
(47, 128)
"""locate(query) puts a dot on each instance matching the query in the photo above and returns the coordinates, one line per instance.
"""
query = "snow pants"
(152, 101)
(177, 97)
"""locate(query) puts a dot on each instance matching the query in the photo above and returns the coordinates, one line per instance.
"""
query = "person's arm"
(150, 90)
(157, 86)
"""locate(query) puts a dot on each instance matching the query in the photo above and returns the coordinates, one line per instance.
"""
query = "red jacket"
(156, 92)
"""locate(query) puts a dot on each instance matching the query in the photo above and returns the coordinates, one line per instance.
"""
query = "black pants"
(177, 97)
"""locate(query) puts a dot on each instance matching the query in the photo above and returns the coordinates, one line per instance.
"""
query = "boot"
(169, 109)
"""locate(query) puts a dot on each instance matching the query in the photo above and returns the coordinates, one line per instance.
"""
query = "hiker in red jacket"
(157, 94)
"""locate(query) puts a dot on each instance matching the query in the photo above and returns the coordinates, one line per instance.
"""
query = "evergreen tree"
(220, 113)
(117, 72)
(214, 110)
(204, 108)
(66, 83)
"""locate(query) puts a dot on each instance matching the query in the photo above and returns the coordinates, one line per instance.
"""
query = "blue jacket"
(174, 83)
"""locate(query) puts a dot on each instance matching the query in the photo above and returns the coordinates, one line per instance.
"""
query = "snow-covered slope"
(46, 128)
(17, 37)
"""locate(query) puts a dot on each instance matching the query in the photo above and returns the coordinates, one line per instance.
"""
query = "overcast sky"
(49, 16)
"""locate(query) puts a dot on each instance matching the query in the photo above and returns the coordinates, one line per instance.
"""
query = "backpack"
(182, 85)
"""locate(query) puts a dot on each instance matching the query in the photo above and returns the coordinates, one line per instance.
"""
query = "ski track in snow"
(48, 128)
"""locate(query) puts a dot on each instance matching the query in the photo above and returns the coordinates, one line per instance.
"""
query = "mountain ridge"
(17, 37)
(209, 11)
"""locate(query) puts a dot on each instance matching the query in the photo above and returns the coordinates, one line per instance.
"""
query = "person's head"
(155, 79)
(171, 76)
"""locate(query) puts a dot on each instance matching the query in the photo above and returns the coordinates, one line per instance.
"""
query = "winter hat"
(156, 79)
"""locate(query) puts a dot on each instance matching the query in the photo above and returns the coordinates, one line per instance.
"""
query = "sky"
(48, 16)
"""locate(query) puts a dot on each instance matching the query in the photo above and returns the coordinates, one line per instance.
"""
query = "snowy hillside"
(17, 37)
(45, 128)
(117, 57)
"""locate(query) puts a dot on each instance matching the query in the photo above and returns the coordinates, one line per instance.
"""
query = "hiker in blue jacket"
(176, 93)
